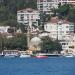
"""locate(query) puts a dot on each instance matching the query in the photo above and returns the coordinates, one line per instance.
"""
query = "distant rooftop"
(56, 20)
(27, 10)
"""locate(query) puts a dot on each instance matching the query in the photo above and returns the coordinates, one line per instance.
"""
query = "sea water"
(35, 66)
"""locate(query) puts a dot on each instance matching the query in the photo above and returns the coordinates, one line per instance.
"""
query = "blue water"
(34, 66)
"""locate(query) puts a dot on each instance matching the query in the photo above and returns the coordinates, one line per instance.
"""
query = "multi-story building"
(59, 29)
(28, 17)
(68, 45)
(46, 5)
(67, 2)
(4, 29)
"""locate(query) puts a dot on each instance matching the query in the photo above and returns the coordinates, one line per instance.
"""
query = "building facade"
(28, 17)
(46, 5)
(59, 29)
(4, 29)
(67, 2)
(68, 45)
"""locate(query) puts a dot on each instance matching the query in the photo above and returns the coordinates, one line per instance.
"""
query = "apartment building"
(46, 5)
(67, 1)
(28, 17)
(59, 29)
(68, 45)
(4, 29)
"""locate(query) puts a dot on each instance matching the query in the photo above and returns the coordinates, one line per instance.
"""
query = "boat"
(24, 55)
(10, 55)
(41, 56)
(1, 54)
(69, 55)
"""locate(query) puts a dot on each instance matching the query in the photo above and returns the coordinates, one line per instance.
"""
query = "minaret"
(28, 36)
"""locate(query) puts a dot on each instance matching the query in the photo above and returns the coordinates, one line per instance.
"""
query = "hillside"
(8, 9)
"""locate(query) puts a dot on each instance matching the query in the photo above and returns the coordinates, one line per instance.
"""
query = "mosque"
(35, 45)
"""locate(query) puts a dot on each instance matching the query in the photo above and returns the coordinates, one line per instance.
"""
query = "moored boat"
(10, 55)
(24, 55)
(69, 55)
(41, 56)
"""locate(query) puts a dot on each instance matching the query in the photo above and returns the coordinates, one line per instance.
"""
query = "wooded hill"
(8, 9)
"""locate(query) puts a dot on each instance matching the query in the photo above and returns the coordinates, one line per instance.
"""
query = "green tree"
(12, 23)
(3, 13)
(71, 15)
(44, 18)
(63, 10)
(51, 46)
(19, 41)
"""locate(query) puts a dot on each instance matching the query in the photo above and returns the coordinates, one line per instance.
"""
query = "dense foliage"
(8, 9)
(19, 41)
(50, 46)
(66, 11)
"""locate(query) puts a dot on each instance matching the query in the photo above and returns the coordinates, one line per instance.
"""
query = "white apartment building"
(4, 29)
(68, 45)
(46, 5)
(59, 29)
(28, 17)
(67, 2)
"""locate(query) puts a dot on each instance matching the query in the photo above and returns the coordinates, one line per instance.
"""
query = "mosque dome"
(36, 41)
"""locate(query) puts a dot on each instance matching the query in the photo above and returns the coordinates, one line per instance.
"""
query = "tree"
(10, 22)
(44, 18)
(19, 41)
(63, 10)
(71, 15)
(3, 13)
(51, 46)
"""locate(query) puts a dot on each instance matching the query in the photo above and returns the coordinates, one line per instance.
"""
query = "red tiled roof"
(56, 20)
(27, 9)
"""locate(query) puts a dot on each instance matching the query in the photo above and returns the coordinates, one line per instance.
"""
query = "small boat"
(70, 55)
(1, 54)
(9, 55)
(24, 56)
(41, 56)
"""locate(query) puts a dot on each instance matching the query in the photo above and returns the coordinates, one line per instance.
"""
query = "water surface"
(34, 66)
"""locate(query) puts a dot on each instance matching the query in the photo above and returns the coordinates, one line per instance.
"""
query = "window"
(67, 26)
(67, 31)
(22, 17)
(71, 47)
(63, 43)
